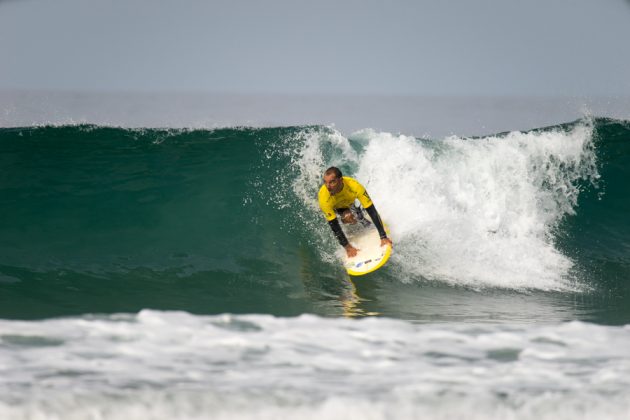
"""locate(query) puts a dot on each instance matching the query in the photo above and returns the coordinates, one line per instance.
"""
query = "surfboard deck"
(371, 255)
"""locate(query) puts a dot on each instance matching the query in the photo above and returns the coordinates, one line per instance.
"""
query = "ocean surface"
(157, 273)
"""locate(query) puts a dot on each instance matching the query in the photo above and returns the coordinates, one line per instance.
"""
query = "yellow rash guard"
(351, 190)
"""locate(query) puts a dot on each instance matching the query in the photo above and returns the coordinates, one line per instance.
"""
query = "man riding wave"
(337, 197)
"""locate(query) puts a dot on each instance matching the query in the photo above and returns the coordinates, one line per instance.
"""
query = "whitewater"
(176, 365)
(502, 195)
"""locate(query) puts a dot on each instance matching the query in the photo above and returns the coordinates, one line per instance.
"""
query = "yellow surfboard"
(371, 255)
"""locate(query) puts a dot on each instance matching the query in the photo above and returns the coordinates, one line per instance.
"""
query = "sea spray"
(477, 212)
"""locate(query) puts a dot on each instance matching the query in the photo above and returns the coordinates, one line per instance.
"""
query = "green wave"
(104, 219)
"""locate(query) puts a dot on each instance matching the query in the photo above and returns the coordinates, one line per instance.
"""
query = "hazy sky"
(437, 47)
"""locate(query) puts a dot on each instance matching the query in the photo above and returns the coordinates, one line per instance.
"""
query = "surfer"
(337, 197)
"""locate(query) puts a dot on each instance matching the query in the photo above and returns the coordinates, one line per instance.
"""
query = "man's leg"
(346, 216)
(358, 215)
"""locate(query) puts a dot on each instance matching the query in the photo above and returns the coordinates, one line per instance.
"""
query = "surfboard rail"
(378, 263)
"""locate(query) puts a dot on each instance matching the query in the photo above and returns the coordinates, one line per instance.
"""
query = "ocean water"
(188, 273)
(154, 365)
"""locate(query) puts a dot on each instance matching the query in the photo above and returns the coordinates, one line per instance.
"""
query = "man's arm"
(336, 228)
(376, 219)
(341, 237)
(368, 205)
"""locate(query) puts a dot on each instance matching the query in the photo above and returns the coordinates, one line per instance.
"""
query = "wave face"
(102, 219)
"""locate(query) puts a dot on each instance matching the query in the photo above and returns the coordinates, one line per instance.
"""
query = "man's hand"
(351, 251)
(386, 241)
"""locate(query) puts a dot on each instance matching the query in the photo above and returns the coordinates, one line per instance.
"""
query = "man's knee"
(348, 217)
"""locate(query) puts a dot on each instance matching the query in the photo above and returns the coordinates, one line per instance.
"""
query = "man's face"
(333, 184)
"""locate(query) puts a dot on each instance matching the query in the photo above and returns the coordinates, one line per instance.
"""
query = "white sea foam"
(475, 212)
(158, 365)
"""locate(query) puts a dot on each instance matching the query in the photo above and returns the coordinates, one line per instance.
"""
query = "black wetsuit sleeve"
(376, 219)
(336, 228)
